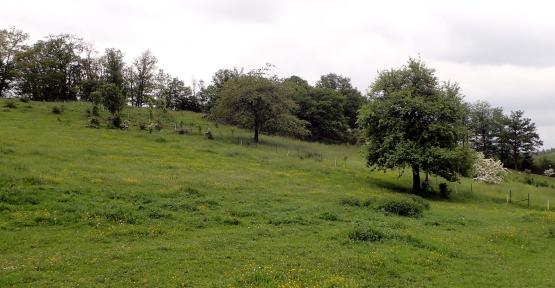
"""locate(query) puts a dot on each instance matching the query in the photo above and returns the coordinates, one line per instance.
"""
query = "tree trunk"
(256, 131)
(515, 159)
(416, 179)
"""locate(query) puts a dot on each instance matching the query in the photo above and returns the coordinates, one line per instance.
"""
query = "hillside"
(105, 207)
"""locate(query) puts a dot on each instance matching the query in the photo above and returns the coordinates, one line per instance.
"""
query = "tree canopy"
(413, 120)
(256, 102)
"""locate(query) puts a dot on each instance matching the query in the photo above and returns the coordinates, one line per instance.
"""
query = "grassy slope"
(104, 207)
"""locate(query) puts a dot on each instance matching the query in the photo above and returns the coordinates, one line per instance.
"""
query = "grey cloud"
(481, 41)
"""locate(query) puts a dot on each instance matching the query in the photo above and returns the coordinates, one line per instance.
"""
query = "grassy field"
(104, 207)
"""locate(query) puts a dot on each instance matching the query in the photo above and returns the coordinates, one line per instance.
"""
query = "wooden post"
(335, 162)
(470, 186)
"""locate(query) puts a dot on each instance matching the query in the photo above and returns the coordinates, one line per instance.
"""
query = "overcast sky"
(499, 51)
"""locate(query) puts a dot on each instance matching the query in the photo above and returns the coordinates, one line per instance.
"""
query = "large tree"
(11, 43)
(353, 98)
(143, 77)
(413, 120)
(321, 108)
(256, 102)
(485, 124)
(180, 97)
(50, 70)
(519, 136)
(209, 94)
(113, 64)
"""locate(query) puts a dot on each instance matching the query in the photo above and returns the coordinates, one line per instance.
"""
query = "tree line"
(66, 68)
(408, 118)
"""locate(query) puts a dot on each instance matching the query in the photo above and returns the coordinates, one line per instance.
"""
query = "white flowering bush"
(489, 170)
(549, 172)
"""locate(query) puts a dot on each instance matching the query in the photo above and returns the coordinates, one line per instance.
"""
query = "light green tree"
(256, 102)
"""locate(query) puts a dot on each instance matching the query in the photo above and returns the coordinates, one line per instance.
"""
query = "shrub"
(402, 207)
(142, 126)
(328, 216)
(489, 170)
(154, 126)
(95, 111)
(549, 172)
(444, 190)
(355, 202)
(58, 110)
(116, 121)
(366, 234)
(208, 134)
(182, 131)
(231, 221)
(10, 105)
(420, 201)
(24, 99)
(93, 123)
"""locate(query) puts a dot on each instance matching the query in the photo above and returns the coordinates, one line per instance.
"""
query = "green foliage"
(518, 138)
(402, 207)
(444, 190)
(10, 105)
(57, 109)
(46, 68)
(366, 234)
(113, 64)
(93, 122)
(486, 124)
(255, 102)
(355, 202)
(323, 109)
(12, 43)
(413, 120)
(112, 99)
(353, 98)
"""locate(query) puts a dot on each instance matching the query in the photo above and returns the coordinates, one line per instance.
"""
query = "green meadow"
(133, 208)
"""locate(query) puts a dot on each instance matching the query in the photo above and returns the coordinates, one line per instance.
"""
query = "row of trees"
(408, 119)
(324, 112)
(66, 68)
(414, 120)
(510, 138)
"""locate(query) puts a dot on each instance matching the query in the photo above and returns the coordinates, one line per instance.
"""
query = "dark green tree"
(11, 43)
(113, 65)
(255, 102)
(321, 108)
(519, 136)
(50, 70)
(142, 78)
(413, 120)
(353, 98)
(113, 100)
(485, 124)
